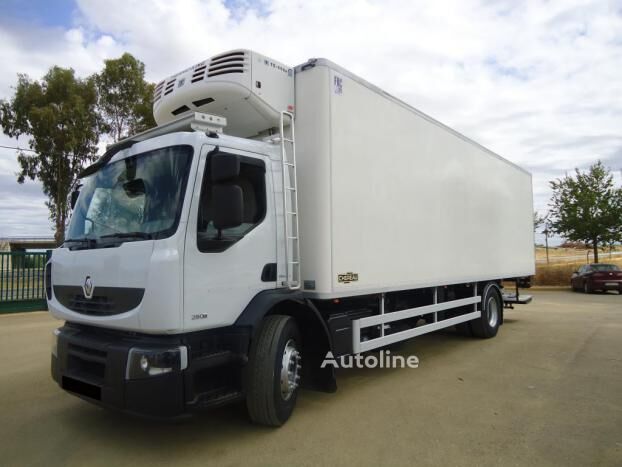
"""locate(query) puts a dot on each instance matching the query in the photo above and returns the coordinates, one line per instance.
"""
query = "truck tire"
(273, 371)
(487, 325)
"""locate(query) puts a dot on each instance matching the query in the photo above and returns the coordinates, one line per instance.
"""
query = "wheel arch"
(316, 338)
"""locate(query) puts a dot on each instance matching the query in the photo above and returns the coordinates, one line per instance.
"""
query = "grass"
(557, 253)
(559, 272)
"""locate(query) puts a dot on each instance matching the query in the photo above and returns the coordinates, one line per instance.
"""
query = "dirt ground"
(546, 391)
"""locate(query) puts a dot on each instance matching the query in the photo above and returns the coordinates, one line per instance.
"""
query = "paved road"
(546, 391)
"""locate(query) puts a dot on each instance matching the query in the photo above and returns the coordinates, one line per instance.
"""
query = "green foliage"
(124, 98)
(538, 220)
(587, 207)
(59, 114)
(65, 115)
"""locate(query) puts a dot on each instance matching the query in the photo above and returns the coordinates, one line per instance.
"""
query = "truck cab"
(160, 216)
(176, 235)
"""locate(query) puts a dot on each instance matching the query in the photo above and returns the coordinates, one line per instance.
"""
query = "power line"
(16, 148)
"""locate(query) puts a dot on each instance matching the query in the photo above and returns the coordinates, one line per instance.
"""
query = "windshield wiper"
(145, 235)
(85, 241)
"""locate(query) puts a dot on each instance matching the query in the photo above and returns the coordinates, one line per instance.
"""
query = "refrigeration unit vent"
(228, 63)
(199, 73)
(157, 94)
(170, 86)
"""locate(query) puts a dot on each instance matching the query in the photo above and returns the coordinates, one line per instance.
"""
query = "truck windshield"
(136, 198)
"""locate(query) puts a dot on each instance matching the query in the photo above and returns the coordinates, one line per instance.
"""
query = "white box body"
(397, 199)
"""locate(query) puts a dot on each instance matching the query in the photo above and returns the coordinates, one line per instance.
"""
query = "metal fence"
(22, 280)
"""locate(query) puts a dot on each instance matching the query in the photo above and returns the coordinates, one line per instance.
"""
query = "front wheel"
(274, 371)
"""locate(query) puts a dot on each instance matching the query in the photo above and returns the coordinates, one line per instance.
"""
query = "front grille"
(95, 353)
(98, 305)
(86, 363)
(106, 301)
(86, 368)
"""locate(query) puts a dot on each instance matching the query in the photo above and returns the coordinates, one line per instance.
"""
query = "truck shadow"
(220, 430)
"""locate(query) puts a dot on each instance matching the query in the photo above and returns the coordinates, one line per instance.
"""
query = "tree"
(59, 114)
(538, 220)
(124, 97)
(587, 207)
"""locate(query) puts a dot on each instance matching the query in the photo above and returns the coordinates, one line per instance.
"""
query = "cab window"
(251, 181)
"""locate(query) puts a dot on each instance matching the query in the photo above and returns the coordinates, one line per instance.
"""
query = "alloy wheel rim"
(493, 312)
(290, 370)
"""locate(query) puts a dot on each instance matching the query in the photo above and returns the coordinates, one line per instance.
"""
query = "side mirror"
(134, 188)
(74, 198)
(228, 205)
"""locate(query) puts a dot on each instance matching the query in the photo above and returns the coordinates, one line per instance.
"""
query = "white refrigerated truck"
(273, 215)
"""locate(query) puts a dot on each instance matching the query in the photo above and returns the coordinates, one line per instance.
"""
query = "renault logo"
(88, 287)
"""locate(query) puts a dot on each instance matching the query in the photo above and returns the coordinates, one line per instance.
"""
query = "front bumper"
(92, 363)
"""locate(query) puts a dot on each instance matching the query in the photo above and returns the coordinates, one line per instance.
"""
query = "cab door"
(225, 268)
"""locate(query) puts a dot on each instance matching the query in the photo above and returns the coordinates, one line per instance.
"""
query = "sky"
(538, 82)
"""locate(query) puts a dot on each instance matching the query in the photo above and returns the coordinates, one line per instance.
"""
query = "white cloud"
(538, 82)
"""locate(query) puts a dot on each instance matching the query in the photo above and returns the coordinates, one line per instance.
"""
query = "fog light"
(143, 363)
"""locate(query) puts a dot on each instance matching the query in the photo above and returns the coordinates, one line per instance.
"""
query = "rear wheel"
(274, 371)
(487, 325)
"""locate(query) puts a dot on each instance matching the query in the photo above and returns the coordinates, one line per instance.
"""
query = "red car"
(592, 277)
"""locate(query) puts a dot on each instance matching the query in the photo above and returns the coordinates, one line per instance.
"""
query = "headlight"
(55, 334)
(143, 363)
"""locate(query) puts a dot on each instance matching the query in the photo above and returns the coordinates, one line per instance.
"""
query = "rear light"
(48, 281)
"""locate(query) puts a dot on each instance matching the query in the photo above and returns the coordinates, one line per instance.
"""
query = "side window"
(252, 181)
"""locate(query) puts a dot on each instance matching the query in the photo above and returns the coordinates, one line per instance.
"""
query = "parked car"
(592, 277)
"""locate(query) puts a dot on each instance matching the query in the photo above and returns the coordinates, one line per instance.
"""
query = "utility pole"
(546, 236)
(546, 243)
